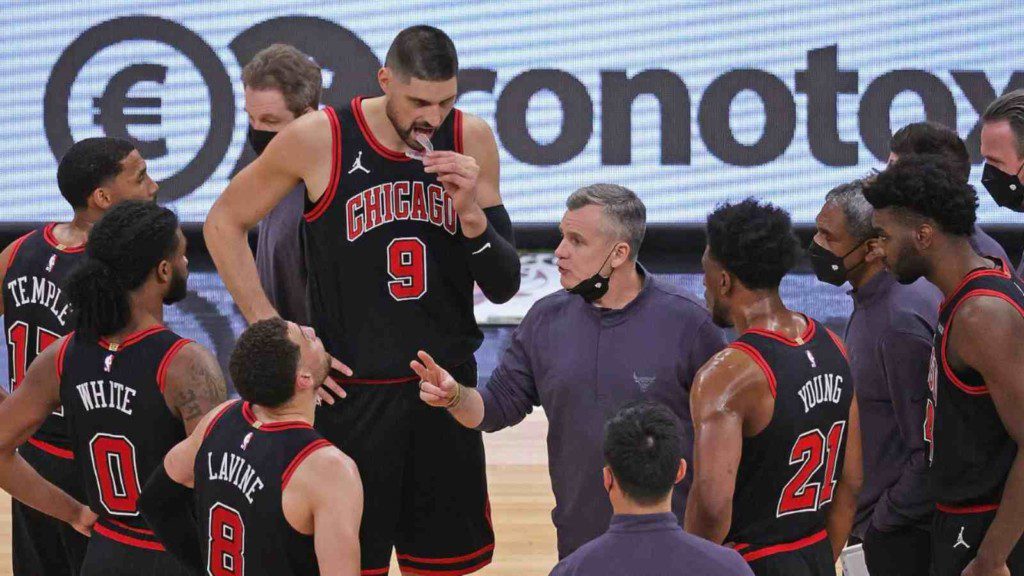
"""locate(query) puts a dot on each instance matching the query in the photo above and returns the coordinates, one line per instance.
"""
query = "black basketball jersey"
(119, 423)
(36, 314)
(788, 471)
(972, 453)
(387, 272)
(241, 471)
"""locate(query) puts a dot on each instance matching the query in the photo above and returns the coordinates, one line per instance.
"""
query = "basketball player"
(93, 175)
(130, 389)
(273, 496)
(777, 437)
(393, 247)
(973, 421)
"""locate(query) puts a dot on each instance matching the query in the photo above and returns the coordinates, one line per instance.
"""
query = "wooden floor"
(521, 503)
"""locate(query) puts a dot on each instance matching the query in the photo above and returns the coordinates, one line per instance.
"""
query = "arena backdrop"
(688, 103)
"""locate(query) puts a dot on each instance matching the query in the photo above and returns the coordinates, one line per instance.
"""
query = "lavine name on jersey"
(237, 471)
(393, 201)
(36, 290)
(821, 388)
(98, 394)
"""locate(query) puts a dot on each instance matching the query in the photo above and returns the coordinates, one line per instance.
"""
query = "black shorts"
(107, 557)
(42, 545)
(955, 541)
(813, 560)
(423, 474)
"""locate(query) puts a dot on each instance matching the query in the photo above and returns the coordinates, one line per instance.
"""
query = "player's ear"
(681, 473)
(384, 78)
(924, 235)
(609, 479)
(725, 282)
(101, 198)
(164, 271)
(874, 252)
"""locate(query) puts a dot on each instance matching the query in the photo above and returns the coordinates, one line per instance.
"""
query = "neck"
(958, 259)
(624, 286)
(864, 273)
(301, 407)
(76, 232)
(761, 310)
(375, 111)
(625, 506)
(147, 311)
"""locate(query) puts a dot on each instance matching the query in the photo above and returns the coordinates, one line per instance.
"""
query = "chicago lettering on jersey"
(97, 394)
(41, 291)
(394, 201)
(237, 471)
(821, 388)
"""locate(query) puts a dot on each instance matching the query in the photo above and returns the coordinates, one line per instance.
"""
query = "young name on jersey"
(235, 470)
(393, 201)
(41, 291)
(97, 394)
(822, 388)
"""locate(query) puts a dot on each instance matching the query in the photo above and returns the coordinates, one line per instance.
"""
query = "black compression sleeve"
(168, 509)
(493, 259)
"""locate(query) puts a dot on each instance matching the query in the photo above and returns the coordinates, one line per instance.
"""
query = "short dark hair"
(264, 362)
(925, 187)
(1009, 107)
(933, 138)
(642, 445)
(423, 52)
(89, 164)
(754, 242)
(127, 243)
(285, 68)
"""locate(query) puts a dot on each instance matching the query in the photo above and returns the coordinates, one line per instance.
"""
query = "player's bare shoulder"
(194, 384)
(726, 376)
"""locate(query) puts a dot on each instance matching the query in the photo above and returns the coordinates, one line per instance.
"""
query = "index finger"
(428, 361)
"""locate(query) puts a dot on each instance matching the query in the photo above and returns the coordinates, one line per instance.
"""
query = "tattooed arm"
(194, 384)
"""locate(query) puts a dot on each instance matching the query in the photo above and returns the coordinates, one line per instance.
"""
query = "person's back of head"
(754, 242)
(934, 139)
(924, 187)
(264, 363)
(643, 449)
(424, 53)
(90, 164)
(129, 242)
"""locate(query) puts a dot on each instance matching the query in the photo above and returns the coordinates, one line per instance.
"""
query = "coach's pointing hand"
(437, 387)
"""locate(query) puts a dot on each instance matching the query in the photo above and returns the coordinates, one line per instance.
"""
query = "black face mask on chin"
(259, 139)
(1006, 189)
(593, 288)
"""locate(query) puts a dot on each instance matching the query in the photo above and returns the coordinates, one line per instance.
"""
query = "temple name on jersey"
(237, 471)
(397, 201)
(36, 290)
(97, 394)
(822, 388)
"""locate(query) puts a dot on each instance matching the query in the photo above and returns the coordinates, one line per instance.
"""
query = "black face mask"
(828, 267)
(1006, 189)
(595, 287)
(259, 139)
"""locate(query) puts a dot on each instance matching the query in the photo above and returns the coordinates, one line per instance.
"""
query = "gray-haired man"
(889, 342)
(615, 335)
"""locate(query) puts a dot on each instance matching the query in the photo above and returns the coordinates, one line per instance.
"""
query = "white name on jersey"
(237, 471)
(821, 388)
(97, 394)
(41, 291)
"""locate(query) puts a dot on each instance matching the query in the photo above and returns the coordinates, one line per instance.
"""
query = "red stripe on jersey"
(51, 449)
(52, 241)
(459, 572)
(755, 355)
(309, 449)
(839, 343)
(60, 354)
(451, 560)
(214, 420)
(15, 247)
(780, 548)
(374, 572)
(972, 390)
(458, 130)
(161, 371)
(127, 527)
(1003, 272)
(327, 197)
(127, 540)
(255, 422)
(131, 338)
(979, 509)
(364, 127)
(805, 337)
(366, 381)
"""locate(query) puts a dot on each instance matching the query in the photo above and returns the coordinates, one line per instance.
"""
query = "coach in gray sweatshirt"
(615, 335)
(889, 343)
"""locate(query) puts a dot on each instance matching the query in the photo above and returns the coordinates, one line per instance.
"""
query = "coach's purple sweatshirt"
(582, 363)
(651, 545)
(889, 339)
